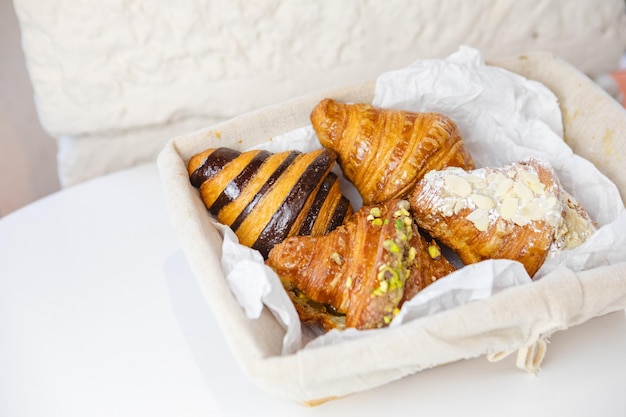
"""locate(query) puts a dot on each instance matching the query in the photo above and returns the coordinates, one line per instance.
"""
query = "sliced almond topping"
(482, 201)
(522, 191)
(529, 177)
(482, 223)
(508, 209)
(477, 182)
(480, 218)
(476, 214)
(503, 187)
(459, 205)
(458, 185)
(496, 177)
(550, 203)
(521, 220)
(474, 179)
(532, 211)
(538, 188)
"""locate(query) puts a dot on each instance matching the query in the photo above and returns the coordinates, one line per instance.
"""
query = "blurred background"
(114, 80)
(28, 169)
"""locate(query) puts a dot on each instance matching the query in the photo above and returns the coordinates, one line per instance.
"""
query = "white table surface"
(101, 316)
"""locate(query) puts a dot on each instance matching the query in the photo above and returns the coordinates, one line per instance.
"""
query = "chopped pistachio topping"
(381, 271)
(375, 216)
(434, 251)
(400, 256)
(401, 212)
(389, 280)
(336, 258)
(391, 246)
(412, 254)
(389, 274)
(389, 316)
(395, 282)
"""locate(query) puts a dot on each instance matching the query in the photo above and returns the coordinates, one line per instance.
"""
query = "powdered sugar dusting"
(517, 193)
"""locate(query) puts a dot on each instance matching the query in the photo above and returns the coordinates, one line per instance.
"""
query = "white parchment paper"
(503, 118)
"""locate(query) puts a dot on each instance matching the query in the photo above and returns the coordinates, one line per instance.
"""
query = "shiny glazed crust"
(384, 152)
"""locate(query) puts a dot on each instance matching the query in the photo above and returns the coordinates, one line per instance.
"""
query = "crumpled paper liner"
(506, 314)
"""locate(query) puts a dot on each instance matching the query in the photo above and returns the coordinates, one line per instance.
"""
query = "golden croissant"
(266, 197)
(519, 211)
(384, 152)
(359, 274)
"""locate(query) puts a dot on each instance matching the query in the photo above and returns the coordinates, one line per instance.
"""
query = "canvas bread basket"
(519, 319)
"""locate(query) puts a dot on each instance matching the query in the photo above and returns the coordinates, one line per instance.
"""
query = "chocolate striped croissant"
(265, 197)
(384, 152)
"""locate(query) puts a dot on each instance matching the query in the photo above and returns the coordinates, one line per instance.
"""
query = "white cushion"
(115, 79)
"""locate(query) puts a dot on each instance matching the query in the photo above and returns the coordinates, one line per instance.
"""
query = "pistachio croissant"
(518, 211)
(384, 152)
(266, 197)
(359, 274)
(428, 266)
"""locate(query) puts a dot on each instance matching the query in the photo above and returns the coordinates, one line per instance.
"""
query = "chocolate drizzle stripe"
(318, 201)
(334, 212)
(342, 210)
(277, 229)
(264, 189)
(213, 163)
(237, 184)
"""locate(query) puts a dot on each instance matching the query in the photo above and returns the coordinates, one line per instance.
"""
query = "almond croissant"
(519, 211)
(265, 197)
(384, 152)
(359, 274)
